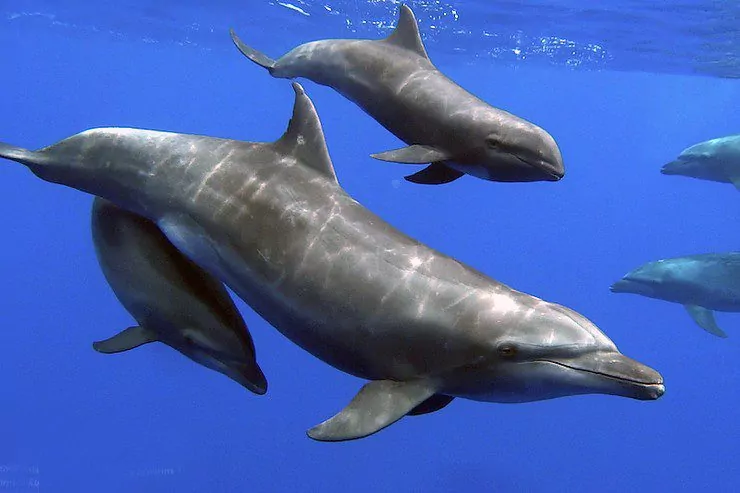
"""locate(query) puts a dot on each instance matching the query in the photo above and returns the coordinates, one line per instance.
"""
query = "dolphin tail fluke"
(257, 57)
(19, 154)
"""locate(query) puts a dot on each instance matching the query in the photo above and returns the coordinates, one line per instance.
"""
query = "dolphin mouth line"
(601, 374)
(551, 173)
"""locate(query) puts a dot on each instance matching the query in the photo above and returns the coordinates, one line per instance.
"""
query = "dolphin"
(714, 160)
(701, 283)
(272, 222)
(173, 300)
(394, 81)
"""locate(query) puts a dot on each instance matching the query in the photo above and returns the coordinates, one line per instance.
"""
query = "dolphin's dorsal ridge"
(406, 34)
(304, 138)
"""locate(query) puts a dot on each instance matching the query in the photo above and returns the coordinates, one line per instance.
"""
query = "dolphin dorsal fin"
(406, 34)
(304, 137)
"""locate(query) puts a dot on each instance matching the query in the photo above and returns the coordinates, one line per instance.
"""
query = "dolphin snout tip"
(653, 392)
(669, 168)
(618, 287)
(555, 175)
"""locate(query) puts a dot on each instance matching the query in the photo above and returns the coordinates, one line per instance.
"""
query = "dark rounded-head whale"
(272, 222)
(394, 81)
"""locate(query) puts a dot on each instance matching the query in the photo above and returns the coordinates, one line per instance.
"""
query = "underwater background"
(622, 87)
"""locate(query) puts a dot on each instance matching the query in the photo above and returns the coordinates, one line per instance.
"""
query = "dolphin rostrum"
(173, 300)
(272, 222)
(394, 81)
(701, 283)
(714, 160)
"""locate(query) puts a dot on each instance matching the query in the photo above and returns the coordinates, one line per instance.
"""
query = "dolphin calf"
(713, 160)
(701, 283)
(394, 81)
(173, 300)
(272, 222)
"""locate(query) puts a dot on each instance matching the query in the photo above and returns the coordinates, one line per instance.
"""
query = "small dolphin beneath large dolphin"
(272, 222)
(714, 160)
(394, 81)
(173, 300)
(701, 283)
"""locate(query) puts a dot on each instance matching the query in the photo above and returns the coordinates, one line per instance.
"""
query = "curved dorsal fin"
(406, 34)
(304, 137)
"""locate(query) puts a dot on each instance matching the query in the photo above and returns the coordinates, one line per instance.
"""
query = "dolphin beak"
(248, 376)
(614, 373)
(546, 170)
(620, 286)
(670, 168)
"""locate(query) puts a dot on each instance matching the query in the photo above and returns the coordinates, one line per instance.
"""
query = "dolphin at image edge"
(272, 222)
(701, 283)
(714, 160)
(173, 300)
(395, 83)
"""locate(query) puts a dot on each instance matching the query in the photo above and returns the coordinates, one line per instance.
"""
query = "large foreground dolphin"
(273, 223)
(713, 160)
(701, 283)
(394, 82)
(173, 300)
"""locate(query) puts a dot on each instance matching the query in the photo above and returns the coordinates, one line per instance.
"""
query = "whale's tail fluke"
(257, 57)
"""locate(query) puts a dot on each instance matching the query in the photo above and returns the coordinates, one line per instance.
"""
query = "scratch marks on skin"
(204, 184)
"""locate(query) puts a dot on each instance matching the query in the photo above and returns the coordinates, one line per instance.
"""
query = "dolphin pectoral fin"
(378, 405)
(433, 404)
(413, 154)
(435, 174)
(735, 181)
(123, 341)
(705, 319)
(257, 57)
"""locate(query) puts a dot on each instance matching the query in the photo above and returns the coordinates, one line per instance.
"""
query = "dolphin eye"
(492, 143)
(507, 350)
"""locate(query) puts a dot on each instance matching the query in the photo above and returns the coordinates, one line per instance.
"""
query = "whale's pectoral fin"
(123, 341)
(257, 57)
(434, 174)
(705, 319)
(431, 405)
(413, 154)
(735, 181)
(378, 404)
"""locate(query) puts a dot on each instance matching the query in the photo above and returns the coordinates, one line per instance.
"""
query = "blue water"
(150, 420)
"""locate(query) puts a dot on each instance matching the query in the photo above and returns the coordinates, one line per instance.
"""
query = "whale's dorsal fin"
(304, 137)
(406, 34)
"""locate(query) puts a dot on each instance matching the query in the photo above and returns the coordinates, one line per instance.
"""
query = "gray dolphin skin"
(394, 81)
(271, 221)
(714, 160)
(173, 300)
(702, 283)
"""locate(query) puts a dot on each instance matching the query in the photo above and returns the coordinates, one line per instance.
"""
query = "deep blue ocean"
(622, 87)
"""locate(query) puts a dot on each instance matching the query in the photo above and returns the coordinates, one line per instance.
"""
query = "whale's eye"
(492, 143)
(507, 350)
